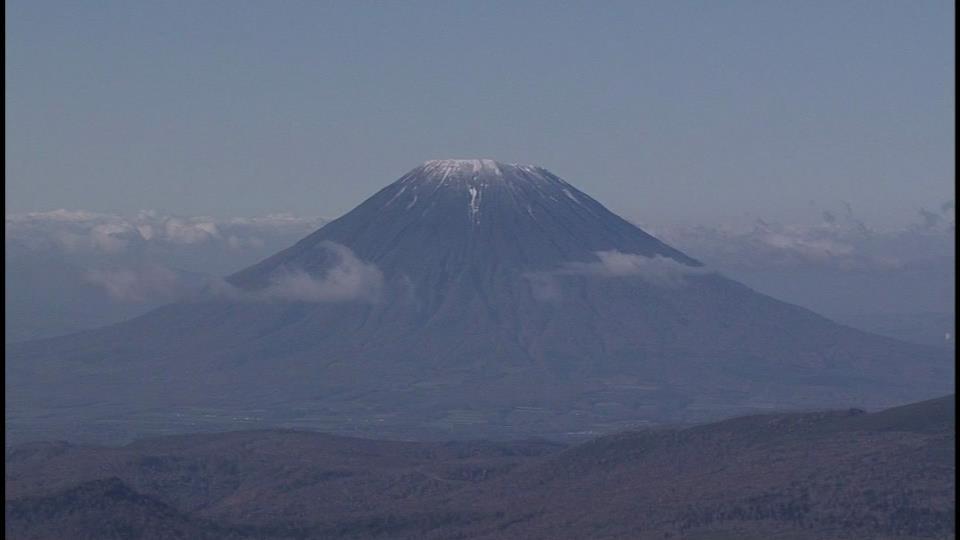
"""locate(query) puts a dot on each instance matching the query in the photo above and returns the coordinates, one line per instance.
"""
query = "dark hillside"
(840, 474)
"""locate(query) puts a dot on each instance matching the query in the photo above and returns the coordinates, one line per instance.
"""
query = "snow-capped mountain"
(469, 297)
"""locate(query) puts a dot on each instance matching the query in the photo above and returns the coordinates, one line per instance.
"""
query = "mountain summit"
(471, 218)
(467, 298)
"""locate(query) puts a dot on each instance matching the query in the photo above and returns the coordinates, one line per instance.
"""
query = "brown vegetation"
(816, 475)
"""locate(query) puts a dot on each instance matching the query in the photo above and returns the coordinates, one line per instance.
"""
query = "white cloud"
(82, 232)
(181, 231)
(840, 242)
(657, 270)
(109, 237)
(61, 215)
(146, 231)
(348, 279)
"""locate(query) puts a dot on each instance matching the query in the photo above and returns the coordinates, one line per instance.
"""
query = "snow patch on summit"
(465, 172)
(475, 195)
(461, 168)
(571, 196)
(395, 197)
(412, 201)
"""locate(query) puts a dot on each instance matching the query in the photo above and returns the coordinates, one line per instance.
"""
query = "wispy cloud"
(78, 231)
(347, 279)
(657, 270)
(840, 242)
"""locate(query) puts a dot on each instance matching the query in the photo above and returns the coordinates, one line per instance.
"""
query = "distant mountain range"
(826, 475)
(468, 298)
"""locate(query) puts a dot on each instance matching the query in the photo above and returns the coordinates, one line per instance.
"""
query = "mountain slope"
(104, 509)
(815, 475)
(469, 297)
(835, 474)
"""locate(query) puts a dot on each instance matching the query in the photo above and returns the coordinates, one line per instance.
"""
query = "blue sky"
(661, 110)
